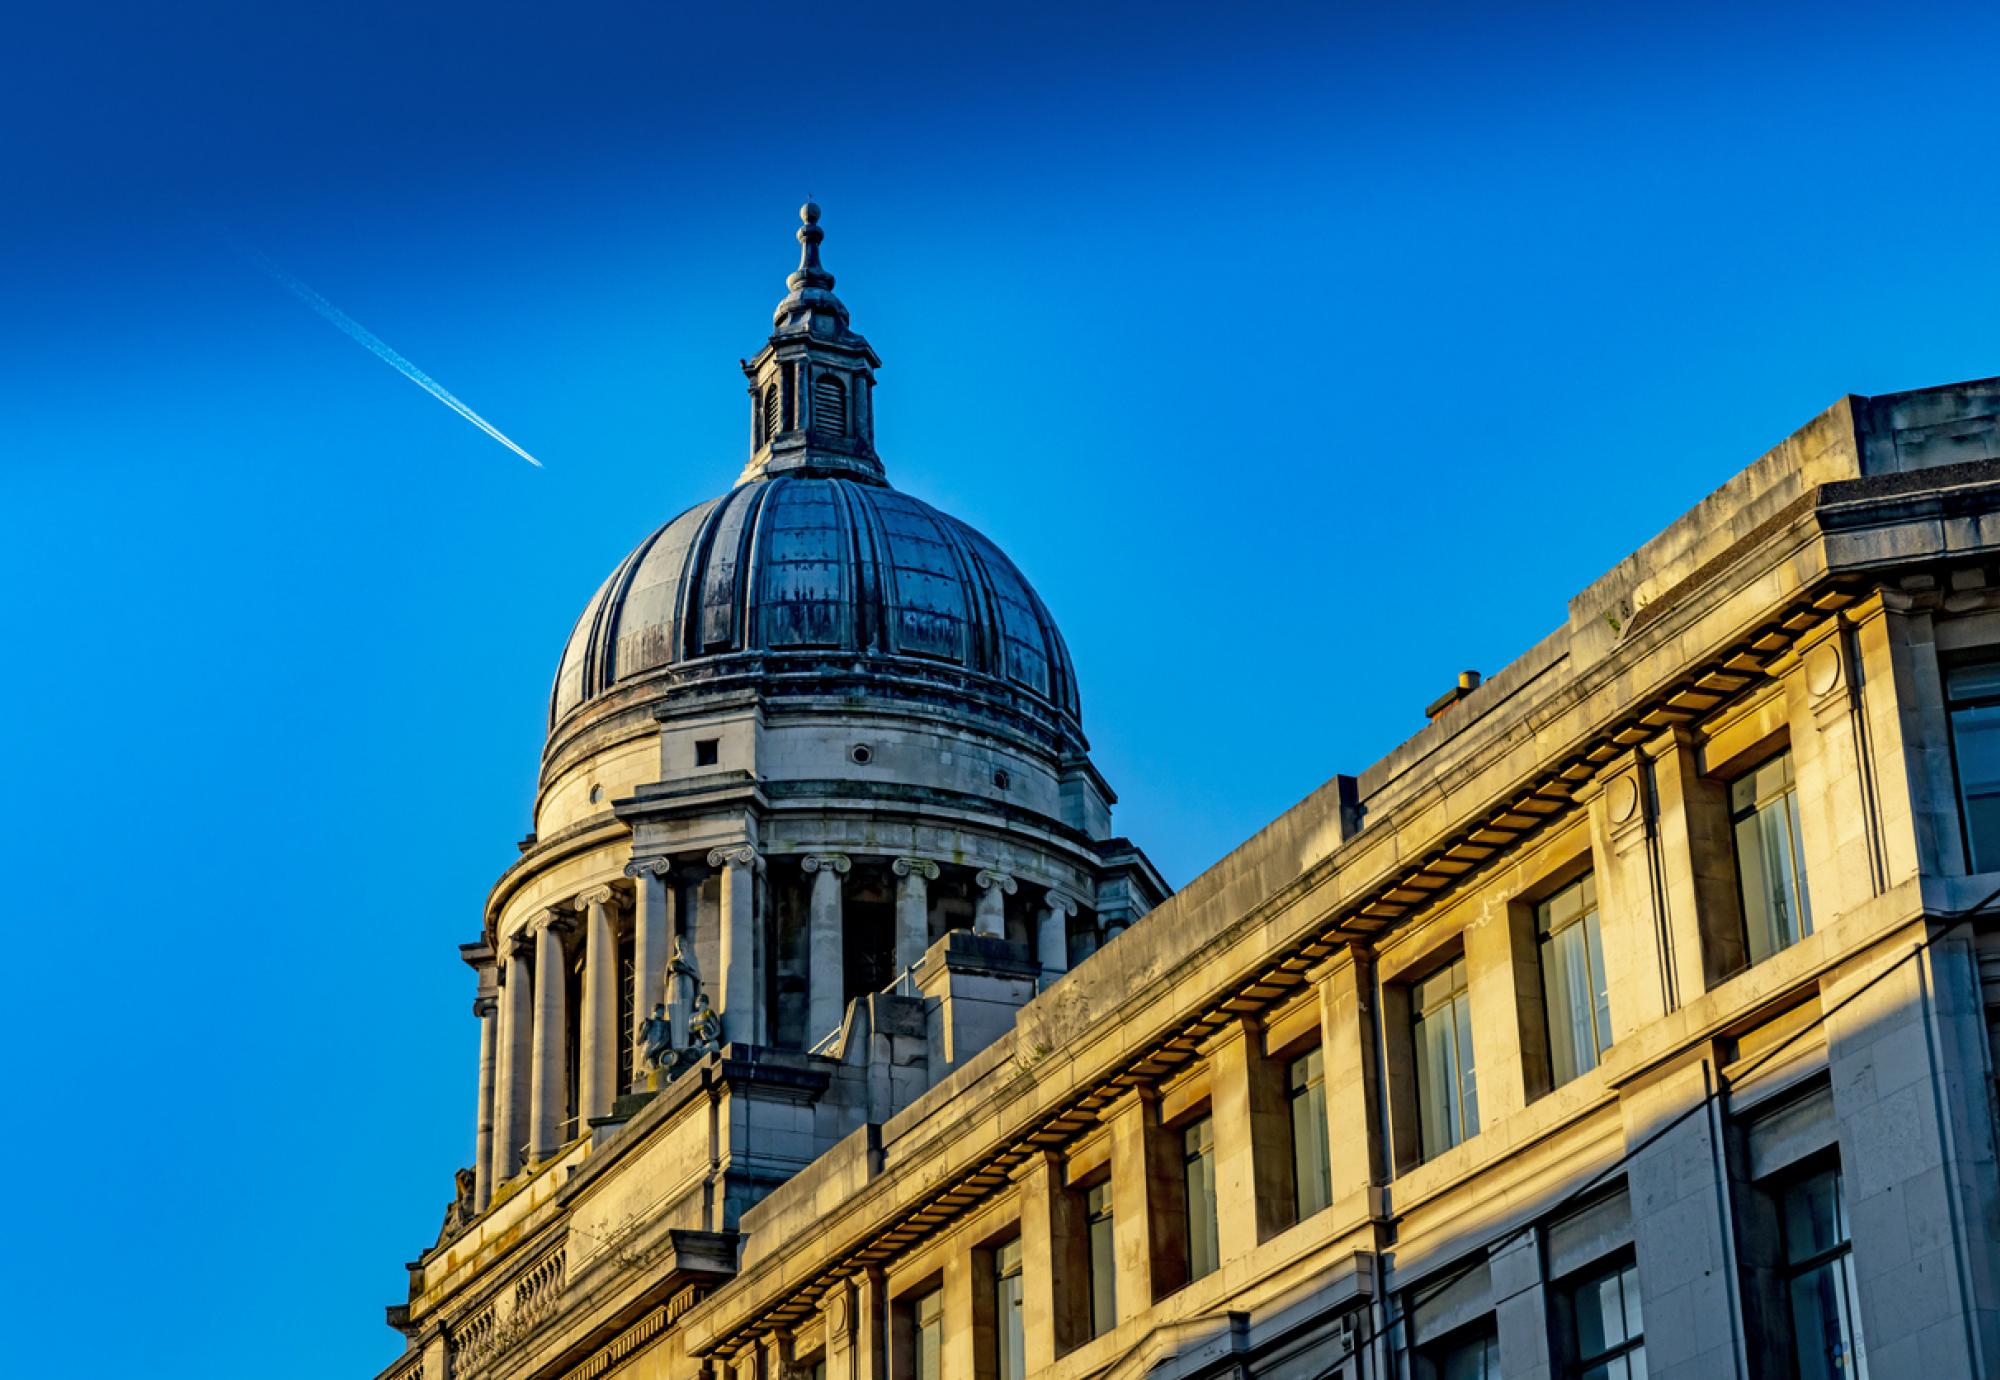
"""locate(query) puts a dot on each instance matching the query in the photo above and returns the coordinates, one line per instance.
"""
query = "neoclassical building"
(1635, 1017)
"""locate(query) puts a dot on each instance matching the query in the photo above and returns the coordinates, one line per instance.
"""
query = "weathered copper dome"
(799, 581)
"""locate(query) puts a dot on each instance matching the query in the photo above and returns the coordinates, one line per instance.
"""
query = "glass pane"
(1766, 864)
(1975, 680)
(1468, 1085)
(1596, 1304)
(1600, 987)
(1437, 1084)
(1010, 1352)
(1796, 858)
(1975, 742)
(1568, 1000)
(1628, 1284)
(1820, 1338)
(1475, 1358)
(1312, 1176)
(1814, 1217)
(1203, 1255)
(930, 1353)
(1103, 1261)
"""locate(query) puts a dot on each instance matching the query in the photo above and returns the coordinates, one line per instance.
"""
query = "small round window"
(861, 754)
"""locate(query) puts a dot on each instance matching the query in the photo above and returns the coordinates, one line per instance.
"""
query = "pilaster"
(913, 909)
(1149, 1210)
(742, 990)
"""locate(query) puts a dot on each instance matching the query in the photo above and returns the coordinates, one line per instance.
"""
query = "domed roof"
(798, 575)
(813, 576)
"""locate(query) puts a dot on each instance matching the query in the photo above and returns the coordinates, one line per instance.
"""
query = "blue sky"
(1301, 355)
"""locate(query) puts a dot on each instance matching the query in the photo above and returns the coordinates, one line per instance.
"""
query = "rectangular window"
(1819, 1279)
(1472, 1353)
(1770, 865)
(1575, 997)
(1312, 1172)
(1447, 1088)
(927, 1337)
(1972, 695)
(1610, 1343)
(1010, 1352)
(1103, 1259)
(1198, 1159)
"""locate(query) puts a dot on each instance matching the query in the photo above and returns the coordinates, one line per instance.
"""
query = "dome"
(800, 576)
(815, 577)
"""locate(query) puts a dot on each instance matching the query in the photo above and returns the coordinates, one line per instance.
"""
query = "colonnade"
(525, 1027)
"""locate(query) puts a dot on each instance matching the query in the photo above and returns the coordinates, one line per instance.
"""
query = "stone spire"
(812, 385)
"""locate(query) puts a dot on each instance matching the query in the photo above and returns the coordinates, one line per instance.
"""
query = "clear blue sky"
(1301, 357)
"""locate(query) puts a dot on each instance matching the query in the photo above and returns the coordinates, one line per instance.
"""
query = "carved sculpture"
(704, 1028)
(658, 1035)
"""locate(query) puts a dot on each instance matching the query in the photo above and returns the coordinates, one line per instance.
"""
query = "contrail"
(381, 350)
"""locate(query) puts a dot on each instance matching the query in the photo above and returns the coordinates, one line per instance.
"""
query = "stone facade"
(1656, 970)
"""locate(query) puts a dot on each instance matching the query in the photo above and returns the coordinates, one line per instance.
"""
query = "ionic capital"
(555, 920)
(596, 896)
(987, 879)
(1060, 902)
(739, 855)
(915, 867)
(650, 867)
(482, 1007)
(833, 862)
(518, 946)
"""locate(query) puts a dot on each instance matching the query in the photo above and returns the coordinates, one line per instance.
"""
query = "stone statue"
(657, 1033)
(460, 1214)
(683, 981)
(704, 1028)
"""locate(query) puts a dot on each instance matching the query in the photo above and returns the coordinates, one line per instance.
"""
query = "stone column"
(1148, 1206)
(968, 1312)
(989, 915)
(871, 1324)
(742, 997)
(1905, 1032)
(826, 955)
(510, 1129)
(837, 1316)
(650, 951)
(1253, 1162)
(1521, 1307)
(598, 1068)
(1052, 935)
(487, 1009)
(1055, 1262)
(1632, 906)
(913, 910)
(1839, 810)
(1683, 1223)
(1347, 1016)
(548, 1088)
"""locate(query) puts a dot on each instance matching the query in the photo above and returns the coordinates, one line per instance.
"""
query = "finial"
(810, 274)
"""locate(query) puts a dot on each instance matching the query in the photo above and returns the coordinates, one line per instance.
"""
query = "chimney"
(1468, 681)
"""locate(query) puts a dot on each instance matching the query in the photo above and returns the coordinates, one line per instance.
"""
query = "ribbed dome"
(796, 573)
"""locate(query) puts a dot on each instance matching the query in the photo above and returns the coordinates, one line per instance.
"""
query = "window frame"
(1951, 666)
(1736, 816)
(1839, 1255)
(1316, 1136)
(1103, 1212)
(1589, 919)
(1465, 1062)
(1009, 1344)
(1204, 1155)
(1624, 1268)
